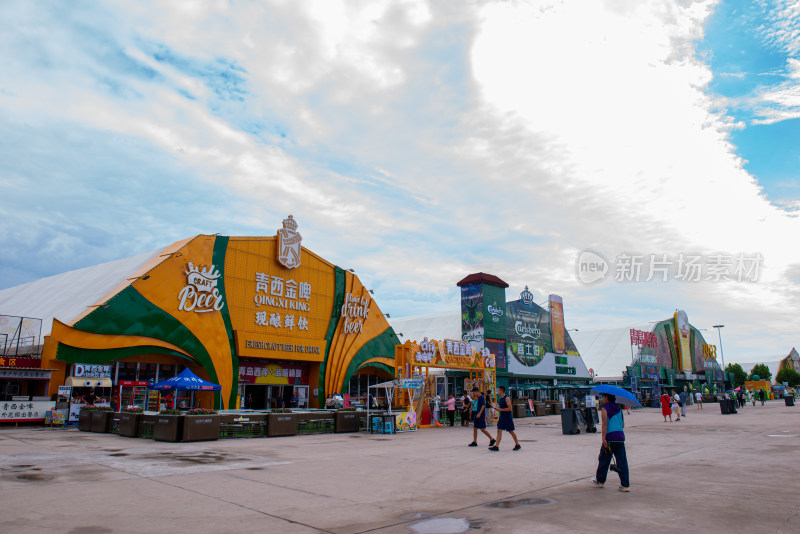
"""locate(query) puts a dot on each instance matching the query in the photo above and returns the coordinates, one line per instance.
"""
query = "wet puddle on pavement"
(513, 503)
(443, 525)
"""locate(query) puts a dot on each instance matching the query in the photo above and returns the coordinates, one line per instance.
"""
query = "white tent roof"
(67, 295)
(606, 351)
(437, 326)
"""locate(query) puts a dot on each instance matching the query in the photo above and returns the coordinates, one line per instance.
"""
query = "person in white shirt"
(676, 405)
(699, 399)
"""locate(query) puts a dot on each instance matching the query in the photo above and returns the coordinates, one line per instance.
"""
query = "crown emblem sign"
(203, 280)
(290, 224)
(526, 296)
(289, 244)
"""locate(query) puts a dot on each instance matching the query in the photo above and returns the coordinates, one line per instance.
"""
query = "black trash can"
(592, 419)
(732, 406)
(569, 422)
(724, 407)
(789, 401)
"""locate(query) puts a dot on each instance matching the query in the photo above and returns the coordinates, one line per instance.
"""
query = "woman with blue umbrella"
(613, 434)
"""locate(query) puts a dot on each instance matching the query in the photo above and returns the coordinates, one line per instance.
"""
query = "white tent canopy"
(67, 295)
(608, 351)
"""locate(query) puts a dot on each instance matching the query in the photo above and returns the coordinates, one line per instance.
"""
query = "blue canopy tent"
(186, 380)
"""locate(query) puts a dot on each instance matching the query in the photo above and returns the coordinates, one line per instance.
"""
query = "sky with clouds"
(416, 142)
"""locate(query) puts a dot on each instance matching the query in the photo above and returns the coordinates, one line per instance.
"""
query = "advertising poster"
(494, 303)
(472, 315)
(498, 348)
(557, 329)
(684, 345)
(528, 332)
(529, 344)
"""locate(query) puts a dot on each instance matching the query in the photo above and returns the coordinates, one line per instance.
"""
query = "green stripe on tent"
(218, 258)
(338, 300)
(128, 313)
(381, 346)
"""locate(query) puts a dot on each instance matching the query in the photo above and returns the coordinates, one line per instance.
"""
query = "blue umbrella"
(623, 396)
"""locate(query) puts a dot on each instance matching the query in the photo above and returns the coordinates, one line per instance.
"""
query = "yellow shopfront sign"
(211, 300)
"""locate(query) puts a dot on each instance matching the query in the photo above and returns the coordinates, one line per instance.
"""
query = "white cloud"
(417, 142)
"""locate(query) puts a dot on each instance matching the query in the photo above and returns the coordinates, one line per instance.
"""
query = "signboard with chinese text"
(84, 370)
(24, 410)
(278, 373)
(13, 361)
(29, 374)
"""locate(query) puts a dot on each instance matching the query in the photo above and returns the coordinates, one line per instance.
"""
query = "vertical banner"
(684, 344)
(472, 315)
(494, 311)
(557, 324)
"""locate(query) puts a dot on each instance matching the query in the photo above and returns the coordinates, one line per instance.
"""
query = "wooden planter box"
(519, 410)
(557, 408)
(85, 420)
(346, 422)
(281, 424)
(129, 424)
(101, 420)
(315, 416)
(168, 428)
(540, 409)
(201, 427)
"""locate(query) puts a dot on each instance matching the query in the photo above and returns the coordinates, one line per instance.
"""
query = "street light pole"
(722, 354)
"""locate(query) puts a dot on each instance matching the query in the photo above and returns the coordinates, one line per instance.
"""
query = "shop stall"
(415, 360)
(186, 380)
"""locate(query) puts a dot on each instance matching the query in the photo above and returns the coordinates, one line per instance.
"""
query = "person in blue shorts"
(479, 422)
(613, 444)
(506, 421)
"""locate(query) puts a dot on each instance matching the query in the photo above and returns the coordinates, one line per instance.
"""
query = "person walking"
(612, 428)
(666, 411)
(682, 397)
(450, 403)
(479, 422)
(763, 396)
(506, 421)
(490, 408)
(752, 396)
(675, 405)
(698, 399)
(466, 409)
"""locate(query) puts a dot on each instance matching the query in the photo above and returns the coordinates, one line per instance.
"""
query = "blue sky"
(748, 61)
(417, 142)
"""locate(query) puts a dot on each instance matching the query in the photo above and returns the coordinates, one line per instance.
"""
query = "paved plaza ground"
(707, 473)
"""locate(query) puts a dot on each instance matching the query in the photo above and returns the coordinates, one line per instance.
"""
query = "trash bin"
(732, 406)
(591, 420)
(789, 401)
(569, 422)
(724, 407)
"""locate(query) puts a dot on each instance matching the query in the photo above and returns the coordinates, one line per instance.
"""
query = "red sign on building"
(27, 363)
(643, 339)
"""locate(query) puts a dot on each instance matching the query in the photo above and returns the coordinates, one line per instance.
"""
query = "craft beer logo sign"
(200, 293)
(289, 241)
(354, 312)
